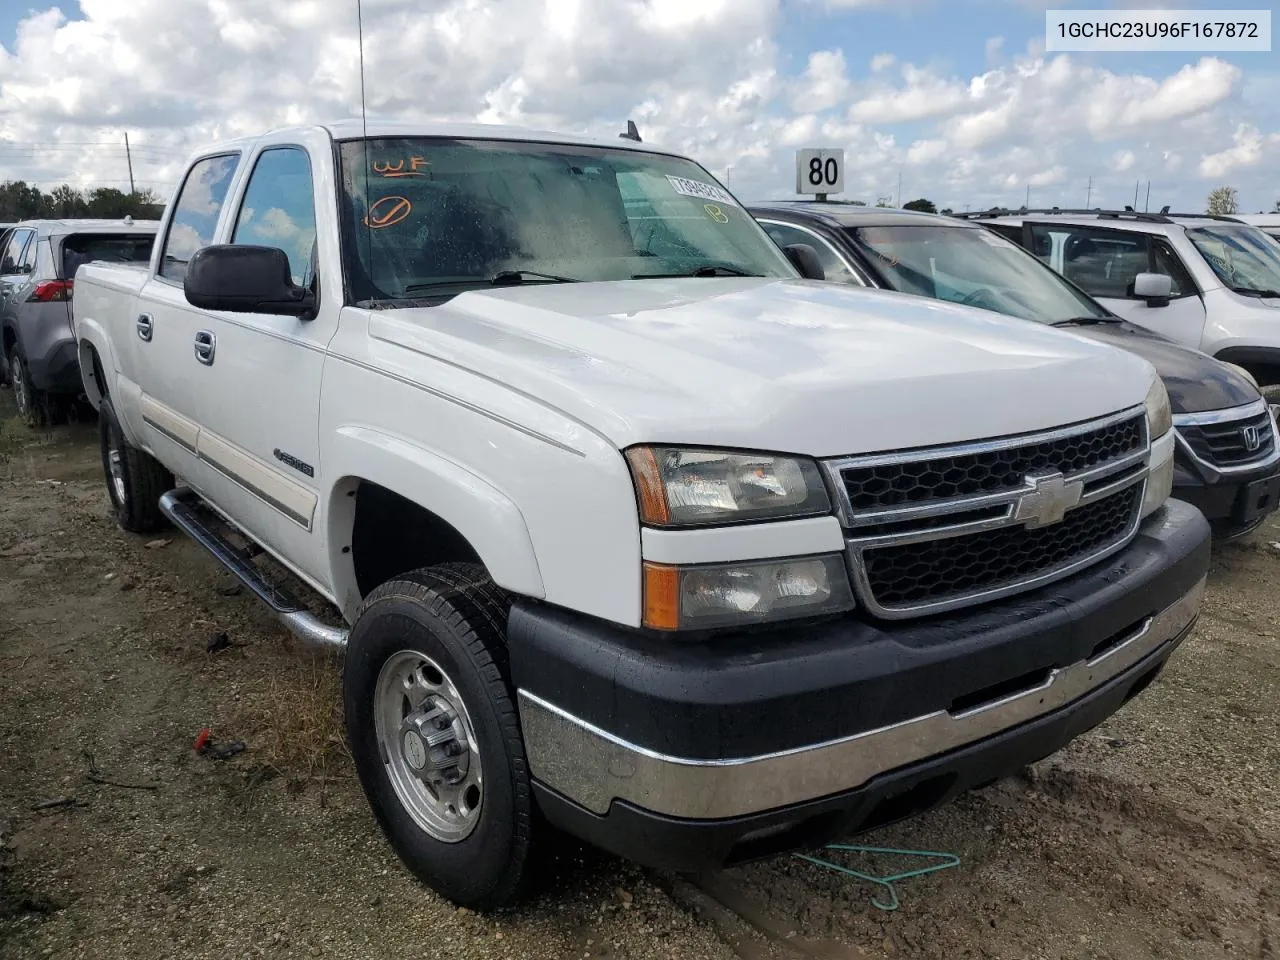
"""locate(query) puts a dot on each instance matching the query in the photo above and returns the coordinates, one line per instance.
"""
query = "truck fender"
(490, 522)
(91, 338)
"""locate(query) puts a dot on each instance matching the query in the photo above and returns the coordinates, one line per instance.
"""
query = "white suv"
(1212, 283)
(1268, 223)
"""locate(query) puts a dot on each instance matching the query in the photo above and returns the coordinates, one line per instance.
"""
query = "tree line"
(20, 200)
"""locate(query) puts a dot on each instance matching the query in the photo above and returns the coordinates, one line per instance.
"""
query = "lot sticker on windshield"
(698, 189)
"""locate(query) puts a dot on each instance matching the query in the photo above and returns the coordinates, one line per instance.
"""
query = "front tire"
(135, 480)
(434, 733)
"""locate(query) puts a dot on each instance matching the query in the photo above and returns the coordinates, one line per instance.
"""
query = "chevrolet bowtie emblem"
(1047, 500)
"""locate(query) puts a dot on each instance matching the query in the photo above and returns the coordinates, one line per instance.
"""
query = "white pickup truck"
(630, 528)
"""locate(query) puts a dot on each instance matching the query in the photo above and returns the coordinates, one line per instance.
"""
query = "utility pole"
(1089, 196)
(1136, 184)
(129, 156)
(899, 189)
(728, 176)
(1147, 206)
(1028, 203)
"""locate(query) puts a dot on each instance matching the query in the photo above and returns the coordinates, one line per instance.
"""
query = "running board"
(185, 509)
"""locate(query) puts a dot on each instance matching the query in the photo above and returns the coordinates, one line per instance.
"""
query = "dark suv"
(1227, 460)
(37, 273)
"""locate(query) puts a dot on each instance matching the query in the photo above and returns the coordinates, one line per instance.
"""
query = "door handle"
(204, 347)
(144, 327)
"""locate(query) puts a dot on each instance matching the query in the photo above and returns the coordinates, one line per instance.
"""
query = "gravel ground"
(1153, 836)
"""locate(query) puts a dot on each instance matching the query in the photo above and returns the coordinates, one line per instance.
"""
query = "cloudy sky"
(956, 97)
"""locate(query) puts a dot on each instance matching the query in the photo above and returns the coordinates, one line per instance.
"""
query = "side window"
(14, 252)
(1103, 263)
(279, 210)
(28, 262)
(1165, 260)
(834, 268)
(195, 214)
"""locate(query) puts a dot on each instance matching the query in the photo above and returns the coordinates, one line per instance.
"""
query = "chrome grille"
(1229, 438)
(937, 529)
(986, 471)
(940, 570)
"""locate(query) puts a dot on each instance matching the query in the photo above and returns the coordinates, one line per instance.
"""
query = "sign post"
(819, 171)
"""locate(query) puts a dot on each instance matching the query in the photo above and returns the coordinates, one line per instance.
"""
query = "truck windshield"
(1245, 259)
(428, 218)
(972, 266)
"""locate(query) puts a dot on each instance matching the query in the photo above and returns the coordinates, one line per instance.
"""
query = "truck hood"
(1196, 382)
(785, 365)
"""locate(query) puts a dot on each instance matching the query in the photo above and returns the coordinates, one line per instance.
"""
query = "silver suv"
(37, 273)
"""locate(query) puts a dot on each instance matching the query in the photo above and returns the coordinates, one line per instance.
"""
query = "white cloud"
(1246, 151)
(705, 77)
(922, 95)
(824, 84)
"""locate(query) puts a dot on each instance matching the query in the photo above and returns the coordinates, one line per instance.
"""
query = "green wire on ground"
(888, 881)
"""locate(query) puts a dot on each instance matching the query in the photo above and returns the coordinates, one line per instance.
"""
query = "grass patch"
(292, 721)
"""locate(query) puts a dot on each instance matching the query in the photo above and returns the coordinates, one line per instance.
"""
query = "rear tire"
(35, 407)
(135, 480)
(427, 654)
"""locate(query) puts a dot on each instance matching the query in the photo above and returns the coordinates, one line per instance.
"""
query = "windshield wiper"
(710, 270)
(1085, 321)
(1252, 292)
(523, 276)
(503, 279)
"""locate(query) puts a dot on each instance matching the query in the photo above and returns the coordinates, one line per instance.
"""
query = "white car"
(1268, 223)
(1212, 283)
(627, 528)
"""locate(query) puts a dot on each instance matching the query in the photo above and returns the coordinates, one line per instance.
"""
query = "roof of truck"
(355, 129)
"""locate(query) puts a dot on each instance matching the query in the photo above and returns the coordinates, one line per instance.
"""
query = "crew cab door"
(162, 337)
(1104, 262)
(259, 380)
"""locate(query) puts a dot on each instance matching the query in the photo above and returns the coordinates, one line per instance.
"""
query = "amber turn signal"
(661, 597)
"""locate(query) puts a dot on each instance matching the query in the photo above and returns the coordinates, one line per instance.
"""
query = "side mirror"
(805, 259)
(1155, 288)
(245, 279)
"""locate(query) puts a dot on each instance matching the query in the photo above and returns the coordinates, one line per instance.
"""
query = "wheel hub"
(428, 746)
(434, 744)
(116, 467)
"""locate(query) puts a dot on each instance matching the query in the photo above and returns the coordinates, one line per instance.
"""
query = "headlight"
(1243, 372)
(1159, 413)
(1159, 480)
(745, 593)
(680, 487)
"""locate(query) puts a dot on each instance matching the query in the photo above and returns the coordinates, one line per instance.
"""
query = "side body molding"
(487, 518)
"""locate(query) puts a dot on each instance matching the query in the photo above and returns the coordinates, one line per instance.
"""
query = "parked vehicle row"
(1227, 459)
(38, 355)
(629, 526)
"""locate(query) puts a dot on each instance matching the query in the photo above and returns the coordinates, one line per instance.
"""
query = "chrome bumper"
(593, 768)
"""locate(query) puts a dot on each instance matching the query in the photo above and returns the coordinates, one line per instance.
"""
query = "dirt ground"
(1155, 836)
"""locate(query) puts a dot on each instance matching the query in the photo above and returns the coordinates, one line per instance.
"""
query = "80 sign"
(819, 171)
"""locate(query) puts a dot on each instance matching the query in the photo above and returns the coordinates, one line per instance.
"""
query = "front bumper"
(694, 755)
(1233, 499)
